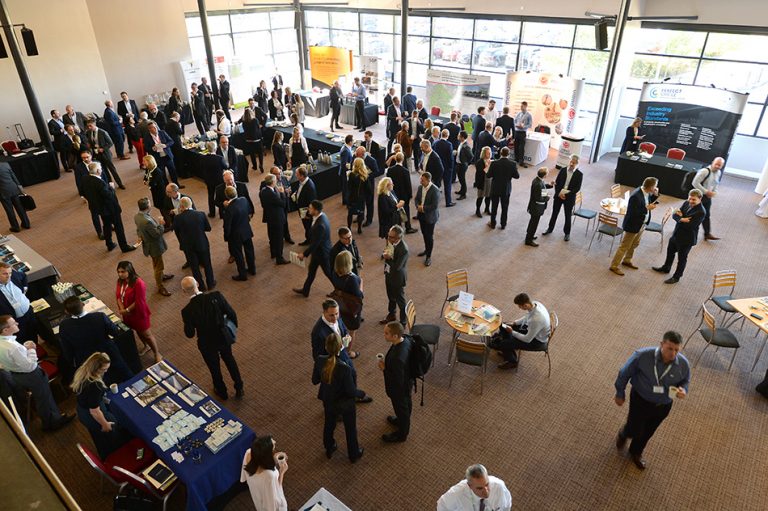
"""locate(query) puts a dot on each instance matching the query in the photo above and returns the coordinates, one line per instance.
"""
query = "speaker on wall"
(601, 35)
(29, 41)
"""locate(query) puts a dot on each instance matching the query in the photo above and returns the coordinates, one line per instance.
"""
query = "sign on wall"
(328, 63)
(700, 120)
(449, 91)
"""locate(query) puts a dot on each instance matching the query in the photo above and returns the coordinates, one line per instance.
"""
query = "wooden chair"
(616, 192)
(714, 336)
(675, 154)
(430, 333)
(647, 147)
(608, 225)
(580, 211)
(553, 324)
(141, 484)
(455, 281)
(473, 354)
(659, 227)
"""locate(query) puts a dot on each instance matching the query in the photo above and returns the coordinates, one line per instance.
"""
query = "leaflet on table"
(5, 250)
(39, 305)
(210, 408)
(93, 304)
(176, 383)
(464, 302)
(192, 394)
(166, 407)
(488, 312)
(223, 435)
(141, 385)
(150, 395)
(161, 370)
(480, 329)
(180, 425)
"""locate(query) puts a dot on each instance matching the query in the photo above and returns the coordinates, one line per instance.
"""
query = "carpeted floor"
(550, 439)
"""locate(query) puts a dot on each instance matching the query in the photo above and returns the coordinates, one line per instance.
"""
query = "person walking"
(639, 207)
(150, 232)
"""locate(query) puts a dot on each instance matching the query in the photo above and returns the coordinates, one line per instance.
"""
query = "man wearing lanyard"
(13, 302)
(358, 90)
(657, 375)
(523, 122)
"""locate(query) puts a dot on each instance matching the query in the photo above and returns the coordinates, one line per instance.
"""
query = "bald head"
(185, 203)
(360, 152)
(718, 163)
(189, 285)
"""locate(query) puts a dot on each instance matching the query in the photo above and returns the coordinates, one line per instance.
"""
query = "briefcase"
(27, 202)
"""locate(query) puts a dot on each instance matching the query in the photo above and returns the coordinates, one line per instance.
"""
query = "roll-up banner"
(702, 121)
(553, 100)
(328, 63)
(449, 91)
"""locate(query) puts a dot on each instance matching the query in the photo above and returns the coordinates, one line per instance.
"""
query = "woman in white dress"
(263, 470)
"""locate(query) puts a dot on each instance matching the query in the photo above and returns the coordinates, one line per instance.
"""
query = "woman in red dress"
(131, 294)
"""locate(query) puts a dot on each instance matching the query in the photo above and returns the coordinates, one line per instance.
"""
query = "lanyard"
(124, 288)
(656, 372)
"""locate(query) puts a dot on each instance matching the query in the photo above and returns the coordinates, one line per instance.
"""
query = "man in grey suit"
(100, 145)
(150, 232)
(395, 273)
(10, 192)
(427, 197)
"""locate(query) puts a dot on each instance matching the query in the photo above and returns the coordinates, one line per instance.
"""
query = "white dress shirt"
(460, 497)
(16, 298)
(15, 357)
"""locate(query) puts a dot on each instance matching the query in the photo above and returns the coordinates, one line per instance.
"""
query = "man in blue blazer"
(639, 207)
(303, 196)
(158, 143)
(115, 129)
(190, 227)
(444, 150)
(345, 165)
(14, 302)
(688, 217)
(238, 233)
(319, 247)
(427, 199)
(409, 101)
(430, 162)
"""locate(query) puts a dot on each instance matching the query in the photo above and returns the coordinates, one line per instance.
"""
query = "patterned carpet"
(550, 439)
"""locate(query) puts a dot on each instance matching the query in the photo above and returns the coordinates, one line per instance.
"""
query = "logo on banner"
(566, 144)
(543, 79)
(571, 114)
(665, 92)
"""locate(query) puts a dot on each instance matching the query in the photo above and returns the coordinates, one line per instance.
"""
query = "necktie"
(482, 504)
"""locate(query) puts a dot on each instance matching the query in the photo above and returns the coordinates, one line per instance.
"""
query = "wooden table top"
(463, 327)
(614, 206)
(757, 305)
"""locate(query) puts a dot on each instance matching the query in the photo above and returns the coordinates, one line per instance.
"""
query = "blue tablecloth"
(204, 481)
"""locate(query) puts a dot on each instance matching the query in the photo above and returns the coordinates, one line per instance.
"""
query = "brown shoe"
(711, 237)
(638, 461)
(507, 365)
(388, 319)
(629, 264)
(616, 270)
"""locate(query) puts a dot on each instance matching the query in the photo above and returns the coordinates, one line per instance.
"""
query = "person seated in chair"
(529, 333)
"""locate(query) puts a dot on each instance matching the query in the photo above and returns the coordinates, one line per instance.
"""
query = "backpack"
(687, 184)
(419, 361)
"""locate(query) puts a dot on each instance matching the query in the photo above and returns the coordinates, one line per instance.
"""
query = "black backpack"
(419, 361)
(687, 184)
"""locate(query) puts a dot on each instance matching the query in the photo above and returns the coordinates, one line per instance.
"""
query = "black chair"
(718, 337)
(429, 333)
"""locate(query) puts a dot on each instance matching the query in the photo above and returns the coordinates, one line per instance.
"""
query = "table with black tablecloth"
(33, 168)
(631, 171)
(190, 164)
(370, 112)
(41, 275)
(215, 474)
(48, 321)
(315, 104)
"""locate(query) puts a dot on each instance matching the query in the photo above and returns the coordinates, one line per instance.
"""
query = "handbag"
(27, 202)
(349, 303)
(227, 326)
(133, 501)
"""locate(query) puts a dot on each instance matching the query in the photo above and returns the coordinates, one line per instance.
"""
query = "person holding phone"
(639, 207)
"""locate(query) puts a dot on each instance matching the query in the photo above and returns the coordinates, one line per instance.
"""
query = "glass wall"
(253, 43)
(469, 44)
(736, 62)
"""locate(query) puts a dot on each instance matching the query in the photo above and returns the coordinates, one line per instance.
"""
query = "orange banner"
(328, 63)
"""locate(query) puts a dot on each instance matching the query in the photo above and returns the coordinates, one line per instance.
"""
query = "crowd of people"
(440, 155)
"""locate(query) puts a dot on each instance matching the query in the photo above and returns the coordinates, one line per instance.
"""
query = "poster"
(370, 73)
(193, 70)
(449, 91)
(327, 64)
(700, 120)
(553, 100)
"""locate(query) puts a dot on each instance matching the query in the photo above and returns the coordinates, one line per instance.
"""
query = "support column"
(214, 84)
(403, 46)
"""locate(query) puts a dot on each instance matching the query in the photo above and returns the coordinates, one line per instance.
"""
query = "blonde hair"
(149, 162)
(383, 184)
(333, 347)
(428, 126)
(87, 372)
(342, 265)
(483, 151)
(359, 168)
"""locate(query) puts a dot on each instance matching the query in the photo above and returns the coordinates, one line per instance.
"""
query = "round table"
(616, 206)
(470, 324)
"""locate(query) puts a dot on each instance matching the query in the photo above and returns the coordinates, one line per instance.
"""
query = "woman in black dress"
(483, 183)
(252, 133)
(276, 107)
(357, 182)
(633, 136)
(388, 206)
(278, 151)
(337, 390)
(155, 179)
(92, 410)
(348, 289)
(175, 103)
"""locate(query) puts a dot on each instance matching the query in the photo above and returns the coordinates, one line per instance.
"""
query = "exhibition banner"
(553, 99)
(449, 91)
(328, 63)
(700, 120)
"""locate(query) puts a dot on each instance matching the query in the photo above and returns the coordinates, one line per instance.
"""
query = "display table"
(370, 113)
(48, 321)
(190, 164)
(41, 275)
(536, 147)
(326, 499)
(33, 168)
(214, 474)
(631, 171)
(315, 103)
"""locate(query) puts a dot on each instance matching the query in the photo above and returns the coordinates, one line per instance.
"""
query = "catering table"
(325, 178)
(315, 103)
(41, 275)
(370, 113)
(216, 473)
(632, 170)
(536, 147)
(48, 321)
(470, 324)
(190, 164)
(759, 306)
(33, 168)
(325, 499)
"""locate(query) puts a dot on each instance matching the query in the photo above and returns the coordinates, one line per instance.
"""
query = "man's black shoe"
(661, 269)
(392, 438)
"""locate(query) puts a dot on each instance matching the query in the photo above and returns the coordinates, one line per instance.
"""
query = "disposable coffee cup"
(281, 457)
(113, 388)
(379, 356)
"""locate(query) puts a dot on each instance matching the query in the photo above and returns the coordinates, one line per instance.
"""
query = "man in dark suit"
(76, 119)
(303, 197)
(83, 334)
(273, 205)
(81, 173)
(57, 132)
(409, 101)
(463, 160)
(204, 316)
(567, 185)
(389, 98)
(478, 126)
(485, 139)
(371, 146)
(347, 243)
(395, 257)
(423, 114)
(229, 154)
(395, 116)
(100, 144)
(537, 204)
(207, 96)
(444, 150)
(199, 110)
(453, 130)
(427, 200)
(282, 181)
(277, 83)
(416, 130)
(10, 197)
(115, 129)
(157, 116)
(158, 144)
(507, 122)
(238, 233)
(213, 174)
(502, 172)
(127, 106)
(336, 95)
(401, 183)
(319, 247)
(172, 203)
(220, 198)
(639, 207)
(190, 227)
(14, 302)
(345, 165)
(397, 381)
(431, 162)
(688, 217)
(224, 95)
(102, 199)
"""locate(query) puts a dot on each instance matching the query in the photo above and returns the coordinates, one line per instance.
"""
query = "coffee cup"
(113, 388)
(379, 356)
(281, 457)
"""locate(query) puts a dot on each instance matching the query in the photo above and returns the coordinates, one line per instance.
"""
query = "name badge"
(658, 389)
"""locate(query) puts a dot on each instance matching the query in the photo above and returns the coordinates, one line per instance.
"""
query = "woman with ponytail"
(337, 391)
